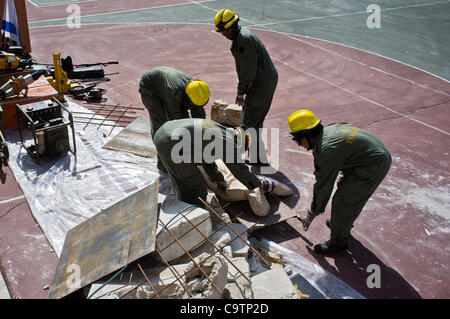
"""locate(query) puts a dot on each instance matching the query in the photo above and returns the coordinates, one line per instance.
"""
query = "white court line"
(340, 87)
(360, 96)
(350, 13)
(49, 4)
(11, 199)
(124, 11)
(295, 37)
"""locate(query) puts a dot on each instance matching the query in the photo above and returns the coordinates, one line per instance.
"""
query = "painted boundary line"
(49, 4)
(340, 87)
(124, 11)
(11, 199)
(350, 13)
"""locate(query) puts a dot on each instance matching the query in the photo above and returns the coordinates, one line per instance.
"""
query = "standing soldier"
(169, 94)
(257, 75)
(361, 157)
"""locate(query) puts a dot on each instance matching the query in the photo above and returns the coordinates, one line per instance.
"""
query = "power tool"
(10, 61)
(16, 85)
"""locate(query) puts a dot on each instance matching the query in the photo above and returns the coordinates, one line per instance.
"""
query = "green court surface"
(413, 32)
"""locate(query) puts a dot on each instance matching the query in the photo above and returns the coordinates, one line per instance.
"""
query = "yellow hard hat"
(224, 19)
(198, 92)
(302, 120)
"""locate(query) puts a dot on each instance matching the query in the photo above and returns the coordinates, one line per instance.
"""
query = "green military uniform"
(364, 161)
(185, 176)
(257, 75)
(163, 94)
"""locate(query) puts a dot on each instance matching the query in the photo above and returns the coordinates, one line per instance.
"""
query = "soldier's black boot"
(328, 248)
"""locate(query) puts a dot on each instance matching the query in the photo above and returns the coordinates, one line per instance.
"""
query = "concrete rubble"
(224, 258)
(273, 284)
(236, 191)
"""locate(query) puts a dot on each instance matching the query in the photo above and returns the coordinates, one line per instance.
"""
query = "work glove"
(239, 100)
(267, 186)
(308, 220)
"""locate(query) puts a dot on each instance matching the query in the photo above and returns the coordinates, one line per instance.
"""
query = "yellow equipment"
(9, 61)
(224, 19)
(59, 81)
(198, 92)
(302, 120)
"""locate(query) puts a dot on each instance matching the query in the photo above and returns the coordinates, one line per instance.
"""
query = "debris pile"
(212, 264)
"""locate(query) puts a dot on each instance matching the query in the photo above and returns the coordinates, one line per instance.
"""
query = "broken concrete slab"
(226, 114)
(135, 138)
(240, 263)
(273, 284)
(220, 239)
(215, 268)
(186, 234)
(238, 287)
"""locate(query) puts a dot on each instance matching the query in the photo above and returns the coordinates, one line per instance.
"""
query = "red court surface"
(404, 228)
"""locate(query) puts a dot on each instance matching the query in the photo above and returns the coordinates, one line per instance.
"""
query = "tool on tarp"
(16, 85)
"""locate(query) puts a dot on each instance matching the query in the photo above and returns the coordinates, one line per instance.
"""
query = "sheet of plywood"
(118, 235)
(135, 138)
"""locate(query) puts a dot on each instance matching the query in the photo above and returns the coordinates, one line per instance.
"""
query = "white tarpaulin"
(65, 191)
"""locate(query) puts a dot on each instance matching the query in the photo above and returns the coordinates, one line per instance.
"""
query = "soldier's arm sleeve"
(243, 174)
(248, 63)
(213, 172)
(326, 170)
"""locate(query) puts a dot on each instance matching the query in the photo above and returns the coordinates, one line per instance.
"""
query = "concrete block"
(273, 284)
(187, 235)
(226, 114)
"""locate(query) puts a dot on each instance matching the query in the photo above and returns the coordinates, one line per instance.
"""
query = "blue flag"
(10, 24)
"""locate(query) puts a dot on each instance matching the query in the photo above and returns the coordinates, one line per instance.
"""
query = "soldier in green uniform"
(169, 94)
(184, 144)
(363, 161)
(257, 76)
